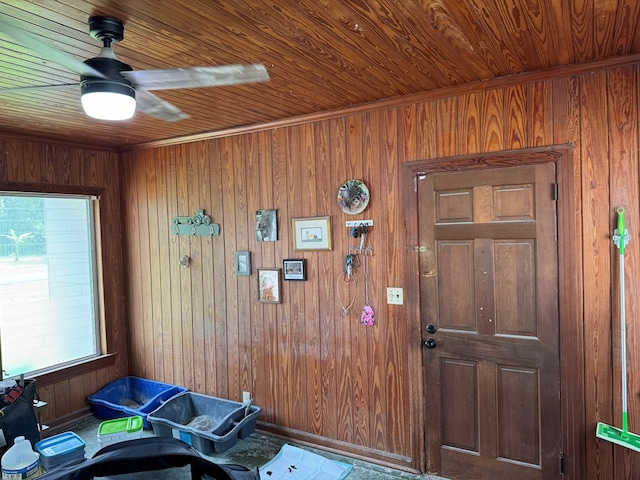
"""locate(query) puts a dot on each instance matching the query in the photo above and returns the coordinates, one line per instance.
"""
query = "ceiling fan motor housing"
(112, 81)
(108, 30)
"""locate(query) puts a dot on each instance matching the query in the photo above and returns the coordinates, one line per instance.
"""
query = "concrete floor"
(254, 451)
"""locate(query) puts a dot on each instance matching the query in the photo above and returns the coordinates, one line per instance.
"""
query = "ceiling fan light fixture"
(107, 99)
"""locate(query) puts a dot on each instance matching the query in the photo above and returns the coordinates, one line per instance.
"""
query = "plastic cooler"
(59, 449)
(206, 423)
(131, 396)
(119, 430)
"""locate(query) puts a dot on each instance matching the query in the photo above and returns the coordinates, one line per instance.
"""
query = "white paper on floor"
(292, 463)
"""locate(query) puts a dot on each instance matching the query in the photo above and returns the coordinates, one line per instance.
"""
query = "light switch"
(395, 296)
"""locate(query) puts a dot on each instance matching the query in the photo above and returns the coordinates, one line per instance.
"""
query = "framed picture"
(312, 233)
(294, 269)
(243, 263)
(266, 226)
(269, 285)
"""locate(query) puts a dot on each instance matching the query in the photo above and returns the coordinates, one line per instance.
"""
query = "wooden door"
(489, 288)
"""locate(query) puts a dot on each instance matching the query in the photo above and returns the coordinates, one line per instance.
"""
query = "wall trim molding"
(479, 86)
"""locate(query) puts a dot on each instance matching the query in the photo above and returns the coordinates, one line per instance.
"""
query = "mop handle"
(621, 238)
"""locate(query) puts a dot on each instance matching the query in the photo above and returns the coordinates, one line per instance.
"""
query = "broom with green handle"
(608, 432)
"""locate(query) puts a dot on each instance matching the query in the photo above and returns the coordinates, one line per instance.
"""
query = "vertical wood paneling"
(468, 128)
(597, 250)
(33, 150)
(134, 275)
(310, 319)
(290, 328)
(538, 112)
(254, 331)
(515, 126)
(17, 153)
(198, 201)
(445, 126)
(356, 142)
(154, 201)
(492, 120)
(3, 158)
(144, 270)
(257, 150)
(265, 256)
(324, 297)
(237, 307)
(426, 131)
(229, 323)
(623, 146)
(165, 237)
(315, 371)
(387, 385)
(213, 267)
(283, 380)
(344, 292)
(174, 363)
(188, 246)
(375, 160)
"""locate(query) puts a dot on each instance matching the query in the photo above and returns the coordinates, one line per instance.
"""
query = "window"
(48, 299)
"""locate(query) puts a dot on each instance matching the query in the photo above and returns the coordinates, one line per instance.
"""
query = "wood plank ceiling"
(321, 55)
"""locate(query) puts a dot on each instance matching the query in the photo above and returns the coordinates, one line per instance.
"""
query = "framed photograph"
(269, 285)
(266, 226)
(312, 233)
(243, 263)
(294, 269)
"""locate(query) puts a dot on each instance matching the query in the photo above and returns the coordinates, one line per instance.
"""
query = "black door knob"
(430, 343)
(431, 329)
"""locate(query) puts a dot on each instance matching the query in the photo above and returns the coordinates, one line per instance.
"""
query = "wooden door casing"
(490, 287)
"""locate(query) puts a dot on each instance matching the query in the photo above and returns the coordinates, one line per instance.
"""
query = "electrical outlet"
(395, 296)
(246, 397)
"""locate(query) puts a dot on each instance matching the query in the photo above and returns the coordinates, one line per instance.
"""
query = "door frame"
(570, 289)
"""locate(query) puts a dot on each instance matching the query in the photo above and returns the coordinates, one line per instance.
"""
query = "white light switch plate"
(395, 296)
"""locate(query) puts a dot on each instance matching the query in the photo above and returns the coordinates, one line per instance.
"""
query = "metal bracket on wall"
(200, 225)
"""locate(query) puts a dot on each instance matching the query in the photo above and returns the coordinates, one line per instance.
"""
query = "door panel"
(488, 281)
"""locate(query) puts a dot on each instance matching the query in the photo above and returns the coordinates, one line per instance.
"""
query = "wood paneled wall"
(319, 375)
(35, 166)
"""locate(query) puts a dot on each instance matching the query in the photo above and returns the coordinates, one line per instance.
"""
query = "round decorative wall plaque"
(353, 197)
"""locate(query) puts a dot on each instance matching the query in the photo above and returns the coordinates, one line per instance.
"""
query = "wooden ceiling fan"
(111, 89)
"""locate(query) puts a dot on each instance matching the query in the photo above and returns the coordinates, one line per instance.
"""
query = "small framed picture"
(269, 285)
(312, 233)
(266, 226)
(243, 263)
(294, 269)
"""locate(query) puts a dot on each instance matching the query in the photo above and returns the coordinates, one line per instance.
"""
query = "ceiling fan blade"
(197, 76)
(43, 48)
(153, 105)
(37, 87)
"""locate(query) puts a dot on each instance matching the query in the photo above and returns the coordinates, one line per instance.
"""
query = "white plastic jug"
(20, 461)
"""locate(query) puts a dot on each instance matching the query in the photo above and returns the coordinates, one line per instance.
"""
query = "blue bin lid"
(59, 445)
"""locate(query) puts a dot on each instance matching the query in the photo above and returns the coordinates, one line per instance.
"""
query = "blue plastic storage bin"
(59, 449)
(130, 396)
(206, 423)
